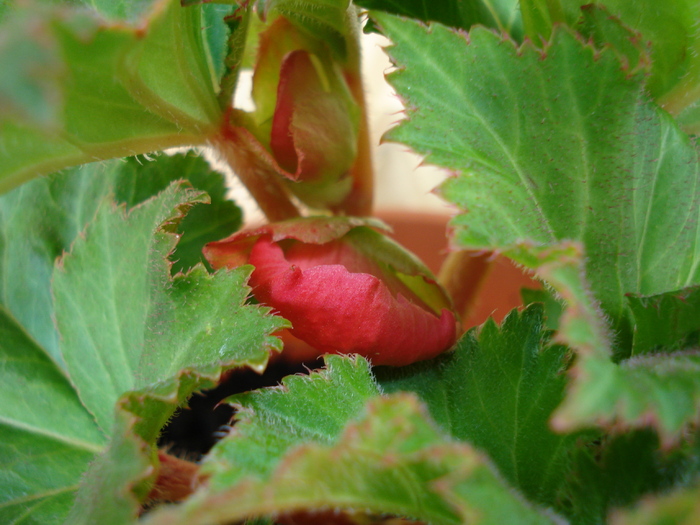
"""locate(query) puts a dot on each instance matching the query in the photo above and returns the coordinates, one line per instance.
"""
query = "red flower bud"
(345, 287)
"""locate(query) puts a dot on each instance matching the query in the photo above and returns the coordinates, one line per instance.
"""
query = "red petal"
(336, 311)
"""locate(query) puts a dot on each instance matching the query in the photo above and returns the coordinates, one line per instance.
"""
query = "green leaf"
(497, 391)
(615, 471)
(190, 328)
(89, 89)
(295, 414)
(48, 438)
(139, 179)
(302, 447)
(605, 30)
(670, 27)
(142, 328)
(666, 322)
(133, 336)
(40, 220)
(658, 390)
(553, 307)
(539, 16)
(578, 130)
(667, 29)
(503, 15)
(566, 167)
(227, 33)
(216, 33)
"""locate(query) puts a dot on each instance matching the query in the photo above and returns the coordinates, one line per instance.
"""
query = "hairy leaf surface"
(329, 440)
(497, 391)
(40, 220)
(553, 147)
(562, 146)
(135, 344)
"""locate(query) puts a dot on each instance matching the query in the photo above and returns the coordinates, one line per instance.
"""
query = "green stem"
(359, 201)
(237, 23)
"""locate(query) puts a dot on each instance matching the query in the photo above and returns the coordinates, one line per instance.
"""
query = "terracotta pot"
(495, 281)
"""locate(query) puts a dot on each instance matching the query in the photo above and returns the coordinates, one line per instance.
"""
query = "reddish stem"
(359, 201)
(246, 156)
(176, 480)
(463, 275)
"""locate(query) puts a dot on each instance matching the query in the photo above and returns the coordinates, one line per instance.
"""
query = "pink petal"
(336, 311)
(234, 250)
(313, 133)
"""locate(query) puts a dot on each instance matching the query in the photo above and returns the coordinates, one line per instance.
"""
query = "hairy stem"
(359, 201)
(245, 156)
(463, 275)
(176, 479)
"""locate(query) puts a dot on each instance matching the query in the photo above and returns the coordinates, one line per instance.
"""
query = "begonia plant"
(328, 374)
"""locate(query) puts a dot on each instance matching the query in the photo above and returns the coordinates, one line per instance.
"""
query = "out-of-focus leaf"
(328, 20)
(216, 34)
(668, 29)
(681, 507)
(503, 15)
(605, 30)
(553, 307)
(38, 222)
(139, 179)
(329, 440)
(666, 322)
(615, 471)
(84, 89)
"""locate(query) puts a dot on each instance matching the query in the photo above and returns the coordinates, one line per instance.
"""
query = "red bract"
(345, 288)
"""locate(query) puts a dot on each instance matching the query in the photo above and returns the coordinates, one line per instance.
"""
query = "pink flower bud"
(345, 287)
(300, 91)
